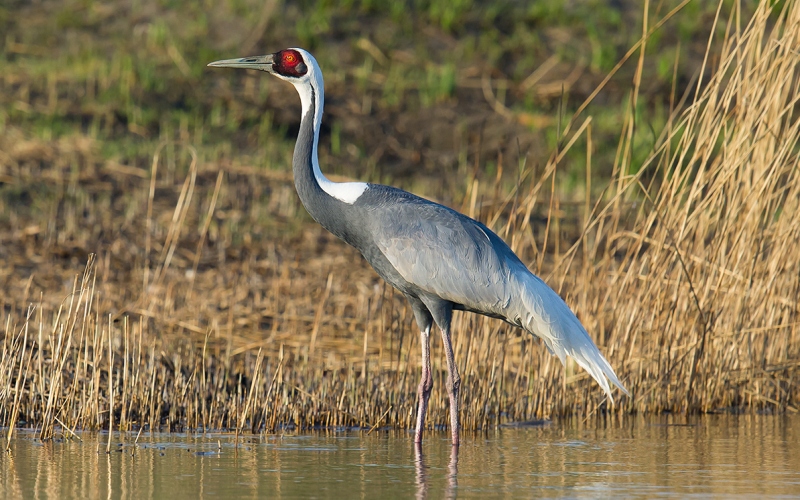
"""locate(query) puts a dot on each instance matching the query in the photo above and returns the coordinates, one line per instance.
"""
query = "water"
(748, 456)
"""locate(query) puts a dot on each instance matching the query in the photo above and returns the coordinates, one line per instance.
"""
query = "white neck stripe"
(311, 90)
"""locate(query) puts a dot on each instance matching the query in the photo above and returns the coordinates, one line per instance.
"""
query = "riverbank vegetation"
(158, 271)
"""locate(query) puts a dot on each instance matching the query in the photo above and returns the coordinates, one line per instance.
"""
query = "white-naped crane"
(438, 258)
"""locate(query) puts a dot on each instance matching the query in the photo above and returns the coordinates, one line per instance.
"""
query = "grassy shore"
(158, 270)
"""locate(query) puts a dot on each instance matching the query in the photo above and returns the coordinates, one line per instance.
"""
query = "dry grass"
(192, 315)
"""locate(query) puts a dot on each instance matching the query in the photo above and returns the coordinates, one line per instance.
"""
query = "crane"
(439, 259)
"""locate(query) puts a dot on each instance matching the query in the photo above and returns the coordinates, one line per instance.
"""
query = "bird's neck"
(325, 200)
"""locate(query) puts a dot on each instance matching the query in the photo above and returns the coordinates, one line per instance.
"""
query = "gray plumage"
(434, 253)
(438, 258)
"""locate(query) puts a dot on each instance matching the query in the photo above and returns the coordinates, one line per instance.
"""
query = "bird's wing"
(458, 259)
(446, 254)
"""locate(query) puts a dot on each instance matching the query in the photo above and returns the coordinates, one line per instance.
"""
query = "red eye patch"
(289, 62)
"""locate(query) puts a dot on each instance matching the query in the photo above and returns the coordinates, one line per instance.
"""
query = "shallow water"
(750, 456)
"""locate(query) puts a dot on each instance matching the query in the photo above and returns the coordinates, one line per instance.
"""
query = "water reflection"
(421, 478)
(636, 457)
(452, 476)
(422, 472)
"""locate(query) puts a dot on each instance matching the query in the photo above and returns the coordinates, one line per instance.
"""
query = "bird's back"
(435, 250)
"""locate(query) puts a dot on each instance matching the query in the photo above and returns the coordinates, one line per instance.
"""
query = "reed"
(191, 316)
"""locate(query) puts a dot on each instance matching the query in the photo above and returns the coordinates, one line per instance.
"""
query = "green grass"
(132, 76)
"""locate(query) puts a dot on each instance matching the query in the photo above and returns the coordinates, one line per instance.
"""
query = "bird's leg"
(424, 321)
(442, 312)
(453, 382)
(425, 385)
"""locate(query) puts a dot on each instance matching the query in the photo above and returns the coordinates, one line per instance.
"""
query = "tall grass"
(702, 299)
(685, 273)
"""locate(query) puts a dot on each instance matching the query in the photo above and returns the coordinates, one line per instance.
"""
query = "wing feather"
(447, 254)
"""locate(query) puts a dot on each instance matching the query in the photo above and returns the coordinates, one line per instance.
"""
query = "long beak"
(261, 63)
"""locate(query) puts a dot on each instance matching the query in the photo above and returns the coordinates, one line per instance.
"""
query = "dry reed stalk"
(20, 376)
(110, 386)
(252, 391)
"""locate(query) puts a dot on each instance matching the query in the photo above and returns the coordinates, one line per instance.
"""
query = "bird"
(439, 259)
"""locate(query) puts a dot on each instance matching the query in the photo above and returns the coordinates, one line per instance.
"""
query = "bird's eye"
(290, 63)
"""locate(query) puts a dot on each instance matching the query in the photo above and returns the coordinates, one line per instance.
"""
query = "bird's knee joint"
(454, 383)
(426, 384)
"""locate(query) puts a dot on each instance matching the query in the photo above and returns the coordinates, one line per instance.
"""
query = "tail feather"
(543, 313)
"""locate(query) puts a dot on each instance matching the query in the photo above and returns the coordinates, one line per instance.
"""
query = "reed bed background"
(685, 271)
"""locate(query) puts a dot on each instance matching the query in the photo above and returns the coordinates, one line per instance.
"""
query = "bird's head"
(293, 65)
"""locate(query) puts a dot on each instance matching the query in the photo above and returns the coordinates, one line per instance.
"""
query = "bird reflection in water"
(422, 473)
